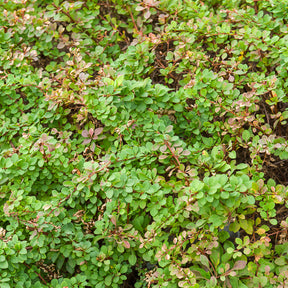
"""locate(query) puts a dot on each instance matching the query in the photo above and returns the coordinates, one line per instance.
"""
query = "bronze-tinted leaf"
(85, 133)
(239, 265)
(126, 244)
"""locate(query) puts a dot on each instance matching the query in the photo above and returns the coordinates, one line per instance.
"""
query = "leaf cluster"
(143, 143)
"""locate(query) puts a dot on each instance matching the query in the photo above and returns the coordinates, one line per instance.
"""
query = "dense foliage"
(137, 136)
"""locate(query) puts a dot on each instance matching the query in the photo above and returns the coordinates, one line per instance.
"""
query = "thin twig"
(38, 274)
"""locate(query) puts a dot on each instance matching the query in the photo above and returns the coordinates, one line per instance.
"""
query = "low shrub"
(143, 143)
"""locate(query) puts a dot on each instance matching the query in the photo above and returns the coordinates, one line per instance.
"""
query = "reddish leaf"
(139, 8)
(126, 244)
(46, 207)
(6, 209)
(267, 269)
(86, 141)
(61, 45)
(85, 133)
(163, 156)
(57, 212)
(91, 132)
(34, 233)
(232, 273)
(186, 153)
(179, 150)
(147, 14)
(163, 148)
(113, 220)
(239, 265)
(98, 131)
(169, 128)
(92, 147)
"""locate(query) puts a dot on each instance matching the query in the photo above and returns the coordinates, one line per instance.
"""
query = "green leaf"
(178, 107)
(247, 225)
(9, 163)
(41, 163)
(196, 185)
(273, 221)
(215, 257)
(132, 259)
(234, 226)
(224, 195)
(138, 223)
(108, 280)
(232, 155)
(4, 265)
(281, 261)
(68, 184)
(204, 261)
(283, 155)
(216, 220)
(109, 193)
(263, 280)
(230, 250)
(246, 135)
(242, 166)
(250, 200)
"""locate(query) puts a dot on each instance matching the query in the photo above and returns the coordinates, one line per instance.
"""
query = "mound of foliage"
(136, 136)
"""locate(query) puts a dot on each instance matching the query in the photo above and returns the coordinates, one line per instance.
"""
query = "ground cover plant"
(143, 143)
